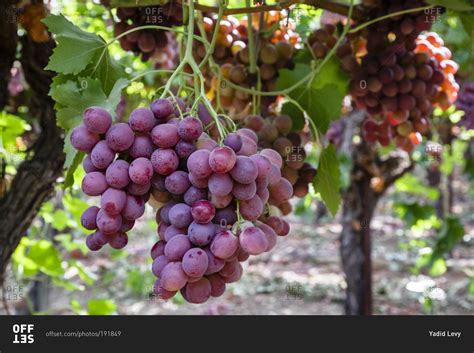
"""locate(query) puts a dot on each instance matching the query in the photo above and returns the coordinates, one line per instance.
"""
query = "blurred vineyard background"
(423, 259)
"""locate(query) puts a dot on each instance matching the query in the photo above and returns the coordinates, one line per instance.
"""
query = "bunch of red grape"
(160, 45)
(214, 214)
(465, 102)
(324, 39)
(232, 53)
(401, 78)
(275, 132)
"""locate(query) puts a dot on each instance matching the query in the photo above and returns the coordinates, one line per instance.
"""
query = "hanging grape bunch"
(465, 103)
(275, 134)
(402, 78)
(214, 197)
(156, 44)
(274, 52)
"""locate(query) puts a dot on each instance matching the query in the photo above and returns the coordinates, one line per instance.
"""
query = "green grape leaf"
(456, 5)
(297, 116)
(46, 257)
(101, 307)
(327, 180)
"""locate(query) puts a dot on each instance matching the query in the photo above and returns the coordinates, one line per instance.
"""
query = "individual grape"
(195, 262)
(283, 146)
(221, 201)
(184, 149)
(142, 120)
(249, 147)
(102, 155)
(251, 209)
(194, 194)
(229, 269)
(247, 133)
(173, 277)
(141, 147)
(141, 171)
(91, 243)
(198, 182)
(113, 201)
(158, 249)
(137, 189)
(165, 135)
(245, 170)
(284, 124)
(270, 235)
(83, 140)
(177, 182)
(189, 129)
(263, 165)
(264, 195)
(233, 141)
(214, 263)
(164, 161)
(94, 184)
(162, 227)
(201, 234)
(225, 216)
(161, 108)
(203, 211)
(134, 208)
(242, 255)
(172, 231)
(101, 239)
(224, 244)
(180, 215)
(290, 174)
(158, 182)
(206, 143)
(222, 159)
(162, 293)
(119, 137)
(253, 241)
(281, 191)
(198, 164)
(198, 292)
(220, 184)
(107, 223)
(273, 156)
(88, 218)
(244, 191)
(177, 247)
(97, 120)
(117, 174)
(119, 241)
(217, 285)
(236, 275)
(159, 264)
(274, 176)
(88, 166)
(146, 42)
(269, 54)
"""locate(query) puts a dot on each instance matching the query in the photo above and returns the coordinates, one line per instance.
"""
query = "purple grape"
(217, 285)
(158, 182)
(83, 140)
(203, 211)
(253, 241)
(97, 120)
(177, 182)
(134, 208)
(92, 244)
(158, 249)
(126, 225)
(172, 231)
(190, 129)
(221, 201)
(236, 275)
(138, 190)
(222, 159)
(141, 171)
(164, 161)
(249, 147)
(113, 201)
(201, 234)
(229, 268)
(117, 174)
(88, 166)
(88, 218)
(194, 194)
(102, 155)
(162, 230)
(162, 293)
(263, 194)
(281, 191)
(273, 156)
(244, 191)
(180, 215)
(159, 264)
(226, 216)
(214, 263)
(224, 244)
(184, 149)
(173, 277)
(141, 147)
(206, 143)
(195, 262)
(198, 182)
(251, 209)
(165, 135)
(274, 176)
(165, 209)
(161, 108)
(248, 133)
(245, 170)
(120, 137)
(94, 184)
(101, 238)
(198, 164)
(220, 184)
(270, 235)
(108, 224)
(119, 241)
(204, 115)
(263, 164)
(177, 247)
(233, 141)
(198, 292)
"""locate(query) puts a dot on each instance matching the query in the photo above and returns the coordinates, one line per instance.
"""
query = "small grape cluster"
(401, 78)
(324, 39)
(275, 132)
(465, 102)
(232, 53)
(213, 214)
(157, 44)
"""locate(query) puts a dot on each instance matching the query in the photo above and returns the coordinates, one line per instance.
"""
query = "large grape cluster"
(465, 102)
(157, 44)
(213, 197)
(273, 53)
(402, 77)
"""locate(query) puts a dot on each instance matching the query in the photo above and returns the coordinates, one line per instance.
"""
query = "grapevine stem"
(210, 51)
(251, 46)
(161, 71)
